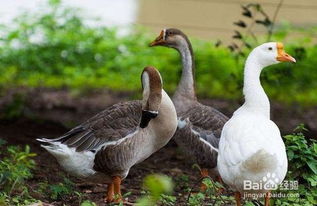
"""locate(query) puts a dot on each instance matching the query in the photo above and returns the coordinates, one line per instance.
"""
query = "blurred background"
(63, 61)
(204, 19)
(66, 51)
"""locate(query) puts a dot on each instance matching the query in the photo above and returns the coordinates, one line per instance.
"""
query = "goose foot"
(114, 191)
(110, 193)
(267, 199)
(204, 173)
(116, 180)
(237, 196)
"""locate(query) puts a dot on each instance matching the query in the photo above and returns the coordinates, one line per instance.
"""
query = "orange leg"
(117, 191)
(237, 196)
(204, 173)
(267, 199)
(110, 193)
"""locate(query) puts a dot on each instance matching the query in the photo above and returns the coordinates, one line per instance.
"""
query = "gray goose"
(200, 126)
(105, 147)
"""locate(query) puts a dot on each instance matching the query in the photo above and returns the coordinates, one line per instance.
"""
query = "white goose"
(251, 146)
(105, 147)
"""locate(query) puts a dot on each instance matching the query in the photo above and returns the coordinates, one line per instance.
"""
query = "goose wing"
(198, 133)
(199, 144)
(205, 118)
(106, 127)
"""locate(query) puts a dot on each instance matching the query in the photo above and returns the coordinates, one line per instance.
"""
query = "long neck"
(185, 88)
(255, 98)
(164, 125)
(159, 131)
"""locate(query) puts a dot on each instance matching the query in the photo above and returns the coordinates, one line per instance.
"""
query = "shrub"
(57, 49)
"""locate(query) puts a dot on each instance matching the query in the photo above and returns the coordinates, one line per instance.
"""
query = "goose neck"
(185, 87)
(255, 96)
(164, 125)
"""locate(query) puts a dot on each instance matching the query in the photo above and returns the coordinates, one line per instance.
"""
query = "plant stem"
(274, 19)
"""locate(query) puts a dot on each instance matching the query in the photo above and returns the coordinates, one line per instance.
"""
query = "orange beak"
(282, 56)
(159, 40)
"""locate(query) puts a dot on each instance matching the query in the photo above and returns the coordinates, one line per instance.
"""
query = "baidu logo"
(268, 182)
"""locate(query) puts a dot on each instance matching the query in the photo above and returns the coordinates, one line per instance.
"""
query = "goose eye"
(270, 48)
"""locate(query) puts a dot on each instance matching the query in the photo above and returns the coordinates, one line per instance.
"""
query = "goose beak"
(160, 40)
(282, 56)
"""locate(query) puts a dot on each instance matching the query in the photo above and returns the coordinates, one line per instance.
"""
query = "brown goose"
(200, 126)
(105, 147)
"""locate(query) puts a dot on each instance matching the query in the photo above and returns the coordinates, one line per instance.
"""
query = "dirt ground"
(50, 113)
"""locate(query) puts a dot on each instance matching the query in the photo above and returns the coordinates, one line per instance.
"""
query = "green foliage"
(6, 200)
(196, 199)
(15, 109)
(303, 153)
(158, 186)
(167, 200)
(15, 167)
(210, 195)
(302, 156)
(57, 49)
(182, 182)
(88, 203)
(59, 190)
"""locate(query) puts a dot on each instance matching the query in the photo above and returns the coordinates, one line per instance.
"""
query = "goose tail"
(55, 148)
(260, 162)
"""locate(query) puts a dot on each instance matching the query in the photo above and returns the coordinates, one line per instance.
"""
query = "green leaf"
(313, 166)
(315, 147)
(88, 203)
(290, 154)
(158, 184)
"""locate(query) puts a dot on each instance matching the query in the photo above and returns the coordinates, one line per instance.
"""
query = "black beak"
(146, 117)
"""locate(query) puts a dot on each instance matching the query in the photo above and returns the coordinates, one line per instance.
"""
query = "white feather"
(181, 123)
(79, 164)
(251, 145)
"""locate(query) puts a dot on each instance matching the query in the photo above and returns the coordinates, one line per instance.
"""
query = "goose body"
(251, 148)
(199, 126)
(110, 143)
(76, 150)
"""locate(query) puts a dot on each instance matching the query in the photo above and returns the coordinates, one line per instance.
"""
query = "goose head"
(171, 37)
(152, 95)
(271, 53)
